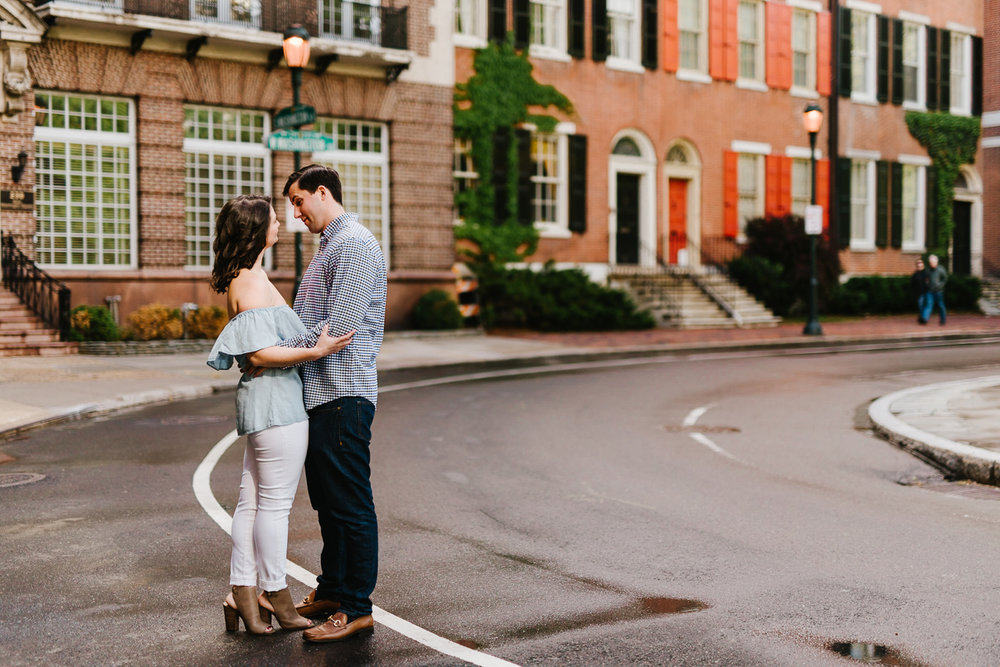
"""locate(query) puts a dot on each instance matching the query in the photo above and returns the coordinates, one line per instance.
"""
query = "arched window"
(626, 146)
(677, 154)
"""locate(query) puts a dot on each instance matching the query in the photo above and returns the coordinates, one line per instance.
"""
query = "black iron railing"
(41, 293)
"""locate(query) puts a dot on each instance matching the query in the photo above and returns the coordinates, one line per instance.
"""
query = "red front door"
(678, 217)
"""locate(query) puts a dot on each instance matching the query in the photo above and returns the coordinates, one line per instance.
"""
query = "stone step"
(38, 349)
(29, 336)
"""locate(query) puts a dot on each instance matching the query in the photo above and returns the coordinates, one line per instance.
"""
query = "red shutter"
(785, 185)
(671, 45)
(779, 45)
(717, 39)
(824, 54)
(731, 193)
(772, 184)
(732, 39)
(823, 190)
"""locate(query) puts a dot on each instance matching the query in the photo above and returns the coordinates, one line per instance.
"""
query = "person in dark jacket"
(918, 287)
(936, 279)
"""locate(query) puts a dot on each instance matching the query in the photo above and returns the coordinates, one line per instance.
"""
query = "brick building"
(991, 138)
(139, 118)
(688, 121)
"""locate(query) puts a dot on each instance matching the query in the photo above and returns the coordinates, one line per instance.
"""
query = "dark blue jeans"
(932, 300)
(338, 474)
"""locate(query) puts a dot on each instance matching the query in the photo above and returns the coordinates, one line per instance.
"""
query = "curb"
(958, 458)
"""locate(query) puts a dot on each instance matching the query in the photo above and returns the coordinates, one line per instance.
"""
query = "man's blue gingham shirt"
(344, 287)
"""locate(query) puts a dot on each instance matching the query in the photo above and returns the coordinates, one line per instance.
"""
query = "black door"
(961, 259)
(627, 246)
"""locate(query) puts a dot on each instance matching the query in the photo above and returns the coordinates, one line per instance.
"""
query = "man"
(936, 279)
(918, 286)
(343, 287)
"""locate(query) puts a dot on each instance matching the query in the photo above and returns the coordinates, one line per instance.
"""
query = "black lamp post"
(812, 118)
(295, 44)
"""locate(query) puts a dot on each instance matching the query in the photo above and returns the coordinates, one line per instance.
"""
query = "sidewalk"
(954, 425)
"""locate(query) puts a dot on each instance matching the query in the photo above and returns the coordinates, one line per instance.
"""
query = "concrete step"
(29, 336)
(38, 349)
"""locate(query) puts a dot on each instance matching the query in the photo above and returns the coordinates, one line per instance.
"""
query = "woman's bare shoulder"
(249, 290)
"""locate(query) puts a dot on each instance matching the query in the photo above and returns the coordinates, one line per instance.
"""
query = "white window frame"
(469, 24)
(214, 149)
(809, 16)
(866, 240)
(961, 80)
(801, 185)
(99, 139)
(867, 92)
(547, 38)
(559, 226)
(700, 71)
(918, 206)
(338, 156)
(374, 28)
(754, 188)
(754, 41)
(462, 170)
(224, 13)
(920, 34)
(624, 28)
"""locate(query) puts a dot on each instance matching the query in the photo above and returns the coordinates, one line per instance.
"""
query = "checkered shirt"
(344, 286)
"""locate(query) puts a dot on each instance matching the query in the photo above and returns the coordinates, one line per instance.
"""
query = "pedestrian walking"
(937, 277)
(918, 288)
(269, 411)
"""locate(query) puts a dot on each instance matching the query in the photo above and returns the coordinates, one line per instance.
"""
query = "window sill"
(549, 231)
(469, 41)
(751, 84)
(549, 53)
(914, 106)
(916, 249)
(624, 65)
(806, 93)
(862, 246)
(693, 76)
(864, 98)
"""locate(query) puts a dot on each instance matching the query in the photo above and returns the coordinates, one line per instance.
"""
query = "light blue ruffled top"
(275, 397)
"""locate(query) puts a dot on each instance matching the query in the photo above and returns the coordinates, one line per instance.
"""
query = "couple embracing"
(307, 396)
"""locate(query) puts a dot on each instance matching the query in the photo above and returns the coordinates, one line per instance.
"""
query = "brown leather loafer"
(310, 606)
(337, 628)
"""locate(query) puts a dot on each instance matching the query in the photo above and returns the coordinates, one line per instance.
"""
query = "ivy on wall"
(501, 94)
(950, 142)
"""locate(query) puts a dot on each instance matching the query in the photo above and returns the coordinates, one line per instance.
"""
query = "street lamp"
(812, 119)
(295, 44)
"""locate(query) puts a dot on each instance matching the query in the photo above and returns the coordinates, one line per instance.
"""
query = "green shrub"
(765, 280)
(436, 310)
(555, 300)
(92, 323)
(887, 295)
(962, 292)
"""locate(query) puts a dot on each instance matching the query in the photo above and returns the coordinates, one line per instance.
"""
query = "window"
(751, 188)
(360, 154)
(357, 21)
(85, 181)
(913, 207)
(465, 175)
(546, 179)
(623, 29)
(751, 35)
(548, 25)
(240, 12)
(862, 55)
(961, 73)
(914, 63)
(804, 49)
(862, 204)
(224, 156)
(470, 19)
(691, 23)
(801, 186)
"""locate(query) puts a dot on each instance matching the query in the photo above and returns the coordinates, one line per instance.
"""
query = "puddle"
(872, 654)
(468, 643)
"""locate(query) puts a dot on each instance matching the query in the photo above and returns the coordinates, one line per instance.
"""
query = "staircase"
(989, 300)
(692, 299)
(23, 334)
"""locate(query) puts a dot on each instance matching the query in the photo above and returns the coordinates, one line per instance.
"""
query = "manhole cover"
(19, 478)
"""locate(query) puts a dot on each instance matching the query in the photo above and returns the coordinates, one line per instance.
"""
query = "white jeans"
(272, 464)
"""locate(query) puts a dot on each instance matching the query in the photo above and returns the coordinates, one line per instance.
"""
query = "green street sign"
(298, 141)
(294, 117)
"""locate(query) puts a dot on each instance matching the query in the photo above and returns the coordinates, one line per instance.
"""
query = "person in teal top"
(269, 411)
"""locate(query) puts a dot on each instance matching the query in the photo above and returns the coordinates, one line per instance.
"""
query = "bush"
(886, 295)
(765, 280)
(92, 323)
(155, 322)
(206, 322)
(962, 292)
(555, 300)
(436, 310)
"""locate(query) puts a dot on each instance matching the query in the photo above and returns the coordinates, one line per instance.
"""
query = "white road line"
(691, 419)
(693, 416)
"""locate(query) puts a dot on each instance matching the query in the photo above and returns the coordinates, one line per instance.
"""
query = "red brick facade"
(991, 139)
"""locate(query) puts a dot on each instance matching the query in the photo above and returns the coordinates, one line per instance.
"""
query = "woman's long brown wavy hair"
(240, 237)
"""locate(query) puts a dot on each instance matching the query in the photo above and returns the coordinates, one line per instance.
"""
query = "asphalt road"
(721, 510)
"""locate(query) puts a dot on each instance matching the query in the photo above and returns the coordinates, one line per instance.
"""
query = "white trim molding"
(861, 154)
(916, 160)
(756, 147)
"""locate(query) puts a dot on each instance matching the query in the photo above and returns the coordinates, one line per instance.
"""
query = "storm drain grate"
(19, 478)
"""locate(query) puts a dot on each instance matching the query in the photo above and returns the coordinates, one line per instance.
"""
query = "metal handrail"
(41, 293)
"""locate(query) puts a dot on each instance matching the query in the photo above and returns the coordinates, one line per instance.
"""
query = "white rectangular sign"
(814, 219)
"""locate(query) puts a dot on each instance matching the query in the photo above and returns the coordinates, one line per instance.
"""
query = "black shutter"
(944, 71)
(576, 29)
(599, 18)
(897, 61)
(522, 23)
(501, 167)
(932, 68)
(498, 20)
(882, 60)
(977, 76)
(843, 185)
(525, 170)
(844, 48)
(881, 203)
(650, 26)
(897, 205)
(578, 183)
(930, 240)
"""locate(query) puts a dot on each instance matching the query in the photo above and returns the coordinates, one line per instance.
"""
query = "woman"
(269, 411)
